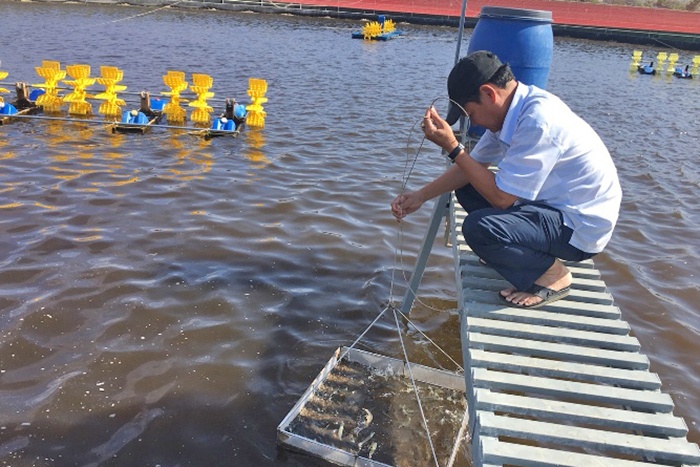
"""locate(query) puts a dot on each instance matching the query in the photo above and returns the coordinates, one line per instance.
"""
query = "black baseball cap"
(466, 77)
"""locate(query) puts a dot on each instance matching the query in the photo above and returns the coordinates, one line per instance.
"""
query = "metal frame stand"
(439, 211)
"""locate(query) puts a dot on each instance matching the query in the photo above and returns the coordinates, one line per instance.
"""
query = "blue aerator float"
(134, 117)
(34, 95)
(223, 124)
(149, 113)
(647, 69)
(7, 109)
(230, 122)
(683, 73)
(21, 106)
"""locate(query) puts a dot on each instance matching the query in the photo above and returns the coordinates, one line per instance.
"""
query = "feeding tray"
(362, 411)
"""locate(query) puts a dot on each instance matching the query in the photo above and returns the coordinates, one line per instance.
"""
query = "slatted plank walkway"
(563, 385)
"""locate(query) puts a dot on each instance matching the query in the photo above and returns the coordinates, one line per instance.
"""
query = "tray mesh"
(337, 413)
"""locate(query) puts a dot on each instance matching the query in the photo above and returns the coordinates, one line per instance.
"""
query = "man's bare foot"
(557, 277)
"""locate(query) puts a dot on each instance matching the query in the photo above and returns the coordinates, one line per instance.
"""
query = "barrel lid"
(515, 13)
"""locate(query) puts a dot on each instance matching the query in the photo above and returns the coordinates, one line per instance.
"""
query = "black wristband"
(455, 152)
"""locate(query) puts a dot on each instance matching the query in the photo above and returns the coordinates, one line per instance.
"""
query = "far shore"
(663, 29)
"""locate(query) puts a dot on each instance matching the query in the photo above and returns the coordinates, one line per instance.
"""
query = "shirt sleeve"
(488, 149)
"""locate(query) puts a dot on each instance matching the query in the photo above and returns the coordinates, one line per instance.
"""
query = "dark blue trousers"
(520, 242)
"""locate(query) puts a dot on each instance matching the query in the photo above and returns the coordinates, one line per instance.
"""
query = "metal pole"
(428, 239)
(460, 33)
(439, 210)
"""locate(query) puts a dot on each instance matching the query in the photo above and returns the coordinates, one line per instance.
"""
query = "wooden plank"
(560, 306)
(468, 266)
(465, 253)
(572, 390)
(632, 379)
(664, 424)
(485, 278)
(493, 451)
(469, 261)
(670, 450)
(556, 351)
(486, 290)
(571, 366)
(547, 318)
(472, 272)
(551, 334)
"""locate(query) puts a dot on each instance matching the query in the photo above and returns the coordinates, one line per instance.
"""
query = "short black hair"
(499, 79)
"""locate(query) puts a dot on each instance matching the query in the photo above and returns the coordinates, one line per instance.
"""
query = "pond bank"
(657, 27)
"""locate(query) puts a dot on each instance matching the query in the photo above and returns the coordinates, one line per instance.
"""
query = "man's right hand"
(405, 204)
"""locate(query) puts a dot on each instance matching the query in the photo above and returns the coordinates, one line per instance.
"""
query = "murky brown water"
(166, 300)
(372, 412)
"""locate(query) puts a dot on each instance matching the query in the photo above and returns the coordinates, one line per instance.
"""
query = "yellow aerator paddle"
(81, 81)
(672, 59)
(52, 74)
(175, 80)
(3, 75)
(636, 59)
(389, 26)
(256, 91)
(109, 77)
(371, 30)
(200, 86)
(661, 60)
(696, 65)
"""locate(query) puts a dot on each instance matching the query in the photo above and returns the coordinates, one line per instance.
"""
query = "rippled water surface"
(166, 300)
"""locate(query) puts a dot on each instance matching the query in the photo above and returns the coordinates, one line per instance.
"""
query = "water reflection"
(254, 150)
(166, 300)
(190, 163)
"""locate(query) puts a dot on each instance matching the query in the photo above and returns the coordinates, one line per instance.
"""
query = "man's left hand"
(436, 129)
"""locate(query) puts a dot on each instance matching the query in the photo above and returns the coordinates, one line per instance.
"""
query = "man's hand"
(436, 129)
(405, 204)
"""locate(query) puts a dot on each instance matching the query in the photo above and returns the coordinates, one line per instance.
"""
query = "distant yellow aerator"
(109, 77)
(52, 74)
(256, 91)
(81, 81)
(200, 86)
(3, 75)
(175, 80)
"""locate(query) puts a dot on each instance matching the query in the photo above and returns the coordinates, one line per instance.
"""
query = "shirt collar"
(508, 129)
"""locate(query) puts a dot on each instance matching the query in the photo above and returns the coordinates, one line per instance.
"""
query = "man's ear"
(489, 91)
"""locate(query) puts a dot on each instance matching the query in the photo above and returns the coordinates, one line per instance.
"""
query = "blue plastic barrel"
(520, 37)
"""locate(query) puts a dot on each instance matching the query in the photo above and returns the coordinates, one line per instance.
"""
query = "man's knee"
(470, 199)
(475, 231)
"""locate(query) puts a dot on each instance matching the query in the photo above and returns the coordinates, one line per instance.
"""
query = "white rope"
(359, 338)
(415, 389)
(406, 176)
(430, 340)
(408, 170)
(461, 436)
(133, 16)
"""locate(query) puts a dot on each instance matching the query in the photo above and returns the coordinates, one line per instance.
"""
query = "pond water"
(166, 300)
